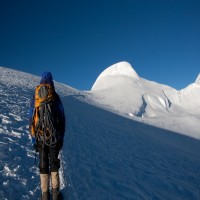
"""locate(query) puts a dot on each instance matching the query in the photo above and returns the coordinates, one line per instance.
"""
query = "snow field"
(105, 155)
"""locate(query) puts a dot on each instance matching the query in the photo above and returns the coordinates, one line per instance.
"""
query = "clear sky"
(77, 39)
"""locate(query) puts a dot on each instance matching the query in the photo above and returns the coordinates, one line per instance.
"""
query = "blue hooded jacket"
(48, 79)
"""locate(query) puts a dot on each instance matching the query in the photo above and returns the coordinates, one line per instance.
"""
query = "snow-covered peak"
(121, 68)
(198, 79)
(118, 69)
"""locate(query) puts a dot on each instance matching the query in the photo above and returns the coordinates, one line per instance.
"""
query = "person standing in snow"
(47, 127)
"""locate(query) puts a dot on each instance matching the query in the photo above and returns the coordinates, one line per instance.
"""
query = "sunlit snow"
(132, 139)
(157, 104)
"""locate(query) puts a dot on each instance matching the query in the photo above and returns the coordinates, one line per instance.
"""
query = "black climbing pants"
(49, 161)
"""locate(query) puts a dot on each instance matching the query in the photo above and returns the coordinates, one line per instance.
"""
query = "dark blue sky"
(76, 40)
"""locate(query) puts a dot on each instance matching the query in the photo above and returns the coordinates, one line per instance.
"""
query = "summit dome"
(118, 69)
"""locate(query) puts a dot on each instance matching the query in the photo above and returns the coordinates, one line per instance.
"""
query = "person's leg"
(44, 181)
(55, 180)
(54, 166)
(44, 171)
(54, 161)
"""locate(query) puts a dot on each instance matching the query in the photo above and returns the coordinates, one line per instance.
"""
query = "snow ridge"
(120, 89)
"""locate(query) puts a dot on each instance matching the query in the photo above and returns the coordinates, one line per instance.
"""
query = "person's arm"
(61, 117)
(31, 112)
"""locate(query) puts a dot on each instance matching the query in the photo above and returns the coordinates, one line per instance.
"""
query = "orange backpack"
(43, 123)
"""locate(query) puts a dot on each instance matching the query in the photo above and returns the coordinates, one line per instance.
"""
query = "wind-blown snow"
(105, 156)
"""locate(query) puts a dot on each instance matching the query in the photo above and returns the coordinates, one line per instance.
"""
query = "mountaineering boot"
(45, 196)
(56, 194)
(44, 180)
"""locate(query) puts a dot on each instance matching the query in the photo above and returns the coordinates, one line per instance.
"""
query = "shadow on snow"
(111, 157)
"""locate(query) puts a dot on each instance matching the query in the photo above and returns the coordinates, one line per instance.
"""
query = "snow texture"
(105, 155)
(149, 102)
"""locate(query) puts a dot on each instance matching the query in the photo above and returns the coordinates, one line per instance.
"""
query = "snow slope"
(18, 172)
(149, 102)
(105, 156)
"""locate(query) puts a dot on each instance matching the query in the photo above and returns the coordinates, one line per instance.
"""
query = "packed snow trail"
(110, 157)
(18, 173)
